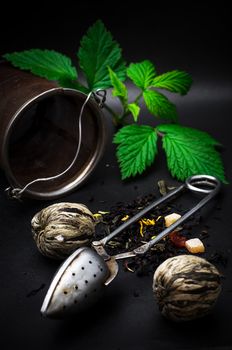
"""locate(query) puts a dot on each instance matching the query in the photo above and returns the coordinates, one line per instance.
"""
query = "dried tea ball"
(61, 228)
(186, 287)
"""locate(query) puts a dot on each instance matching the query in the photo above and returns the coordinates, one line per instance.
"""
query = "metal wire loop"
(100, 97)
(13, 193)
(16, 193)
(203, 184)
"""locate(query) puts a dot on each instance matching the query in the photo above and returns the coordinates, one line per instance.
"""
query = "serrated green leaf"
(136, 149)
(97, 52)
(134, 109)
(159, 105)
(47, 64)
(189, 155)
(142, 74)
(190, 133)
(67, 83)
(174, 81)
(120, 89)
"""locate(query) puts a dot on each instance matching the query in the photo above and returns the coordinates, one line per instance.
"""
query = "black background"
(195, 37)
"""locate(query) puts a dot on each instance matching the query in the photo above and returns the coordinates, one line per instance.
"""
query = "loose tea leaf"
(132, 238)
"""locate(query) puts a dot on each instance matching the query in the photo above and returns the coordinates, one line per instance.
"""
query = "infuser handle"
(140, 214)
(192, 184)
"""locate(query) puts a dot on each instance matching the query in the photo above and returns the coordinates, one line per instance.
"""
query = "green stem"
(110, 110)
(159, 133)
(116, 117)
(138, 97)
(126, 112)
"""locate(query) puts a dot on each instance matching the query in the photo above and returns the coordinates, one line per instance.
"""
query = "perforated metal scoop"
(81, 278)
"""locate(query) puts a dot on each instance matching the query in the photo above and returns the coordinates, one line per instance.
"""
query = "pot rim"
(86, 172)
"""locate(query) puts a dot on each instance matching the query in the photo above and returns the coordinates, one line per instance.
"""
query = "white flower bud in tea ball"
(186, 287)
(61, 228)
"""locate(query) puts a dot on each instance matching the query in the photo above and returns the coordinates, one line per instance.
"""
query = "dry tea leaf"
(61, 228)
(186, 287)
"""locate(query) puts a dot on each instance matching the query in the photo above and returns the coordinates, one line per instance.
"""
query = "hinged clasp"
(100, 97)
(14, 193)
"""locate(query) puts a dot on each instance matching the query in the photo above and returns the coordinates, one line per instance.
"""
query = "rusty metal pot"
(39, 134)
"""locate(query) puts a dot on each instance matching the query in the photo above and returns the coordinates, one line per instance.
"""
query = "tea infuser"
(100, 97)
(83, 275)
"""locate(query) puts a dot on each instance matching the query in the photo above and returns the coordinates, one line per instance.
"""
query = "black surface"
(194, 37)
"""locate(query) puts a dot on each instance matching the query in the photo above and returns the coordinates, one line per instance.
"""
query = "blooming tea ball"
(186, 287)
(61, 228)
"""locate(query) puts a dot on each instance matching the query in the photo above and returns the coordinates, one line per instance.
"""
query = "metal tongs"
(81, 278)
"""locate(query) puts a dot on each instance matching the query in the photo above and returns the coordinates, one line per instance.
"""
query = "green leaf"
(136, 149)
(134, 109)
(97, 52)
(159, 105)
(120, 89)
(47, 64)
(190, 133)
(174, 81)
(67, 83)
(142, 74)
(188, 153)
